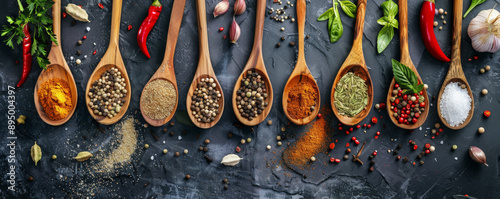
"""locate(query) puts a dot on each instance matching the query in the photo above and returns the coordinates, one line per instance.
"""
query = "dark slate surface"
(261, 173)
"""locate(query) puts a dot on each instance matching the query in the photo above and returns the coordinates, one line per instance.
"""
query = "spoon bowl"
(301, 71)
(57, 69)
(255, 63)
(166, 70)
(406, 60)
(455, 72)
(355, 62)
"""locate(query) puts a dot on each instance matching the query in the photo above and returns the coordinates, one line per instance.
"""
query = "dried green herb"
(36, 153)
(351, 95)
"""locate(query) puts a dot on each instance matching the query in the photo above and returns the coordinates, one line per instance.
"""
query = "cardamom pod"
(82, 156)
(76, 12)
(36, 153)
(231, 160)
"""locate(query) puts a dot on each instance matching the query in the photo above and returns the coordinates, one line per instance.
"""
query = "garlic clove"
(234, 32)
(239, 7)
(221, 8)
(477, 155)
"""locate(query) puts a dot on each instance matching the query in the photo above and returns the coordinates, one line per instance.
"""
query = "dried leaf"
(78, 13)
(231, 160)
(36, 153)
(82, 156)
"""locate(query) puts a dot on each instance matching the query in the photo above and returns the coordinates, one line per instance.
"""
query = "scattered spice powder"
(302, 99)
(159, 99)
(55, 97)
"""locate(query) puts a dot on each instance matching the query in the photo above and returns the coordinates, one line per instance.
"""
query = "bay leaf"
(76, 12)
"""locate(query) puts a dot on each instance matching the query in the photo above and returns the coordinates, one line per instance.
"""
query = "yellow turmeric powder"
(55, 97)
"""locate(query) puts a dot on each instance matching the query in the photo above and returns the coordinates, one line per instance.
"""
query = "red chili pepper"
(147, 25)
(27, 58)
(427, 30)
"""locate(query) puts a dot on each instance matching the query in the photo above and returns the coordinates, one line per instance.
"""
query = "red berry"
(427, 151)
(101, 6)
(422, 104)
(405, 97)
(415, 147)
(441, 130)
(351, 129)
(487, 113)
(399, 157)
(356, 142)
(221, 29)
(364, 125)
(340, 128)
(374, 153)
(397, 101)
(369, 126)
(64, 15)
(400, 91)
(378, 133)
(320, 115)
(376, 137)
(421, 92)
(332, 159)
(414, 120)
(417, 115)
(346, 144)
(332, 146)
(427, 145)
(347, 132)
(353, 138)
(337, 160)
(374, 120)
(84, 37)
(401, 120)
(396, 85)
(406, 121)
(437, 133)
(476, 57)
(358, 126)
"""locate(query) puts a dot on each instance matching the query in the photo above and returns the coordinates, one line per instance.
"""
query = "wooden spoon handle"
(202, 30)
(403, 32)
(301, 20)
(56, 18)
(360, 23)
(457, 33)
(173, 30)
(115, 22)
(259, 27)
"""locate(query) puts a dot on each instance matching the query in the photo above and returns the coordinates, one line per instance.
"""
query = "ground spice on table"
(55, 97)
(302, 99)
(311, 143)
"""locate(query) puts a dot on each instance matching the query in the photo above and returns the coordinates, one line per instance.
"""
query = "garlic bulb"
(484, 31)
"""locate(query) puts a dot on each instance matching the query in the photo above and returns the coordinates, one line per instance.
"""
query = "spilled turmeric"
(55, 97)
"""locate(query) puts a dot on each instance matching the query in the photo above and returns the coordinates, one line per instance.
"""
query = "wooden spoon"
(166, 70)
(112, 58)
(301, 72)
(58, 68)
(204, 69)
(455, 72)
(256, 63)
(355, 62)
(406, 60)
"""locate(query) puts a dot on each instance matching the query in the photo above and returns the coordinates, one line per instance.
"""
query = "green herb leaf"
(335, 25)
(349, 8)
(390, 8)
(326, 15)
(473, 4)
(182, 116)
(384, 38)
(394, 23)
(406, 78)
(383, 21)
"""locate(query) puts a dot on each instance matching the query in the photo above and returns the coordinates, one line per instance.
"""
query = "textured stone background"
(261, 172)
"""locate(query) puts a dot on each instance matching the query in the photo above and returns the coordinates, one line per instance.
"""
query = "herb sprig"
(36, 13)
(389, 22)
(473, 4)
(335, 28)
(406, 78)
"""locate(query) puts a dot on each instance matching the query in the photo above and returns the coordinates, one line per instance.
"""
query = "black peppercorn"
(292, 43)
(395, 152)
(372, 162)
(225, 181)
(172, 133)
(399, 146)
(282, 38)
(278, 45)
(200, 148)
(78, 52)
(371, 169)
(226, 187)
(205, 149)
(421, 162)
(405, 159)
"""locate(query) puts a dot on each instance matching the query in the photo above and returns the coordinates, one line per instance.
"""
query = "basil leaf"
(405, 77)
(384, 38)
(383, 21)
(335, 25)
(326, 15)
(349, 8)
(473, 4)
(390, 8)
(394, 23)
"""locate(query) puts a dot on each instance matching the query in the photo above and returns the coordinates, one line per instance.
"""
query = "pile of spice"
(205, 100)
(55, 97)
(252, 95)
(310, 144)
(159, 99)
(406, 108)
(302, 99)
(108, 93)
(455, 103)
(351, 95)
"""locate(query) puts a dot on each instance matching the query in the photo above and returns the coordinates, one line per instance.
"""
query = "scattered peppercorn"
(454, 147)
(292, 43)
(207, 141)
(146, 146)
(480, 130)
(268, 147)
(129, 27)
(487, 67)
(278, 45)
(79, 42)
(282, 38)
(188, 177)
(226, 186)
(177, 154)
(405, 159)
(312, 158)
(54, 157)
(165, 151)
(348, 150)
(269, 122)
(421, 162)
(487, 113)
(346, 157)
(238, 149)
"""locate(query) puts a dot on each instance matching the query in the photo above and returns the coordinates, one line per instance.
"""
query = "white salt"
(179, 138)
(88, 29)
(455, 104)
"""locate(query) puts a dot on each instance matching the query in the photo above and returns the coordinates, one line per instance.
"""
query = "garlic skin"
(239, 7)
(477, 155)
(484, 31)
(221, 8)
(234, 32)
